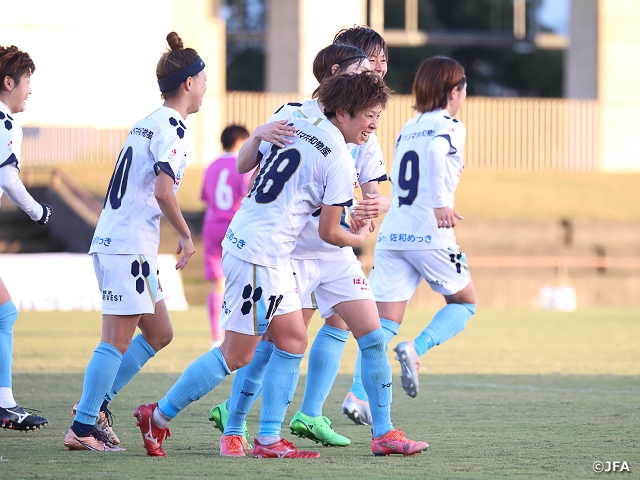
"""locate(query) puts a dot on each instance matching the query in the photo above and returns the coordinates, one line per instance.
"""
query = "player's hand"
(373, 206)
(278, 133)
(185, 246)
(46, 215)
(446, 217)
(365, 230)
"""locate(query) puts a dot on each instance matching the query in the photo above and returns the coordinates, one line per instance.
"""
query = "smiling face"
(15, 96)
(357, 129)
(379, 63)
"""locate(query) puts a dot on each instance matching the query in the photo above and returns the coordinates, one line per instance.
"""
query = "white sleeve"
(437, 151)
(339, 180)
(370, 163)
(167, 149)
(11, 184)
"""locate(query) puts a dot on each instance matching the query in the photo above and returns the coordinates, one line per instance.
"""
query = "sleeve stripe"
(383, 178)
(165, 167)
(12, 159)
(448, 139)
(348, 203)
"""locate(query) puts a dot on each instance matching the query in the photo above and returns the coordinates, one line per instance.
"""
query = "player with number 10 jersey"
(130, 220)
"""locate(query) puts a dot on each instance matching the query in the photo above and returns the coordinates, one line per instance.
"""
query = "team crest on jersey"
(173, 154)
(9, 145)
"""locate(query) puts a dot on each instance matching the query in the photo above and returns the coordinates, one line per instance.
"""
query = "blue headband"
(176, 78)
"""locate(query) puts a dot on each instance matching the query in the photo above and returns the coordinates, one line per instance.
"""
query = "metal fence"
(503, 134)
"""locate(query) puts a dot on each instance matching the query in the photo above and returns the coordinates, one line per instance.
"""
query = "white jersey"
(130, 218)
(419, 186)
(369, 165)
(292, 184)
(10, 139)
(10, 183)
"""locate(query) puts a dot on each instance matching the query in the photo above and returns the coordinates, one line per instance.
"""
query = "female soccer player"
(16, 68)
(125, 245)
(334, 59)
(315, 170)
(416, 238)
(222, 189)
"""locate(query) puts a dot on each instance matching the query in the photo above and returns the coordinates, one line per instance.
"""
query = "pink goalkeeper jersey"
(223, 188)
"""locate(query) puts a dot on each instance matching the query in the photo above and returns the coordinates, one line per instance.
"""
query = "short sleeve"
(453, 131)
(339, 181)
(169, 146)
(370, 165)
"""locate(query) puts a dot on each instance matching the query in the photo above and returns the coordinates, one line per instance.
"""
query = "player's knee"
(470, 306)
(8, 316)
(236, 360)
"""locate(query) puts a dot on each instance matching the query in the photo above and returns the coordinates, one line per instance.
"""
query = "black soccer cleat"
(15, 418)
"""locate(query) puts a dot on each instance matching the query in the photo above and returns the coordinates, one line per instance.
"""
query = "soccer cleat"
(409, 363)
(232, 446)
(395, 443)
(15, 418)
(151, 434)
(281, 449)
(318, 429)
(103, 424)
(357, 410)
(93, 442)
(219, 416)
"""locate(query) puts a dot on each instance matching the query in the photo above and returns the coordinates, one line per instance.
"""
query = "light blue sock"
(390, 330)
(98, 380)
(377, 380)
(203, 375)
(282, 371)
(138, 353)
(246, 389)
(324, 362)
(8, 317)
(449, 321)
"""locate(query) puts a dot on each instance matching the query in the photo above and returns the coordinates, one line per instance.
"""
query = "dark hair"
(175, 58)
(15, 63)
(352, 93)
(363, 37)
(337, 53)
(435, 78)
(232, 134)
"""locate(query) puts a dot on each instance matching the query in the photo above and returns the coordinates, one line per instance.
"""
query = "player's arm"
(437, 152)
(373, 203)
(14, 189)
(277, 133)
(168, 204)
(332, 232)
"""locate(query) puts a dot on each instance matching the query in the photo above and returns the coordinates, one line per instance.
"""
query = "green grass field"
(519, 394)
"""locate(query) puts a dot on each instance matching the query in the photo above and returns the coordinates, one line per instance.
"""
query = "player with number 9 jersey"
(416, 239)
(419, 186)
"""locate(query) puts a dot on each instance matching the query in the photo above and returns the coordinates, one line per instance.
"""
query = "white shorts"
(397, 273)
(254, 294)
(324, 283)
(129, 283)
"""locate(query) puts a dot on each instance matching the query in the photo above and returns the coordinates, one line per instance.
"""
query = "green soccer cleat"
(219, 416)
(318, 429)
